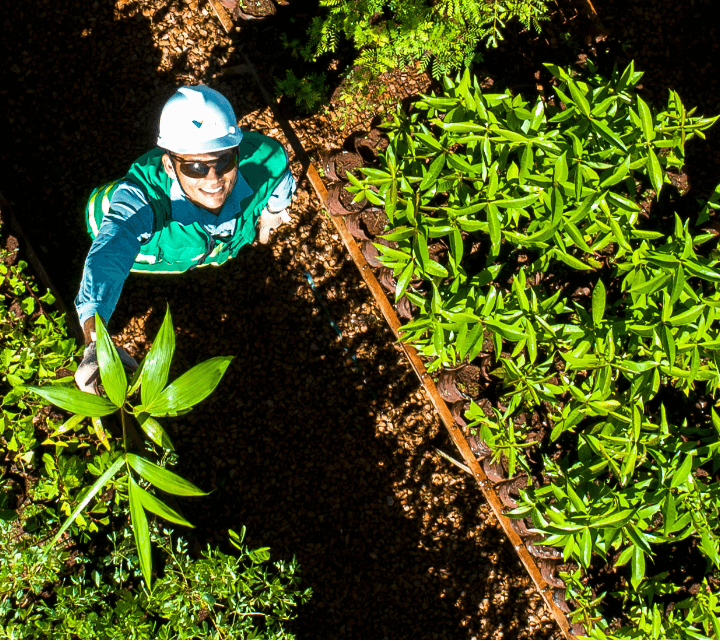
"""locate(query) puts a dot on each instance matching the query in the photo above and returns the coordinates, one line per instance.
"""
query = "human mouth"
(212, 191)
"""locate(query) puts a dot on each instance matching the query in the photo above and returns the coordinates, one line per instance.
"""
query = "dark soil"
(324, 456)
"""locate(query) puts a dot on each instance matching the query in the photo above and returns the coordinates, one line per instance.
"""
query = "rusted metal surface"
(14, 226)
(552, 596)
(222, 15)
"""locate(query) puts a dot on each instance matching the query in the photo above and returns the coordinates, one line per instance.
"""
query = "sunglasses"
(222, 165)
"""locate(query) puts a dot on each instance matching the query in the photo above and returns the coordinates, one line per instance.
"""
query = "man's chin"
(210, 202)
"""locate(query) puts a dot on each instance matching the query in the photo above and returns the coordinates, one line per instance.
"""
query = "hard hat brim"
(219, 144)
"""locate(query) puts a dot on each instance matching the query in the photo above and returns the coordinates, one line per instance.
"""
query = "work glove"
(87, 376)
(269, 221)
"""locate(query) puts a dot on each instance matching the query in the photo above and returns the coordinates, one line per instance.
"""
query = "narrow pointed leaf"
(96, 487)
(100, 432)
(155, 431)
(157, 362)
(598, 303)
(141, 531)
(112, 372)
(163, 479)
(153, 504)
(73, 400)
(190, 388)
(653, 166)
(646, 120)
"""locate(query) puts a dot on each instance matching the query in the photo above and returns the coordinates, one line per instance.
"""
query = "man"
(193, 201)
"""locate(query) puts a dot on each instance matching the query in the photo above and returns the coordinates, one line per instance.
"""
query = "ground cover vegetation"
(77, 525)
(539, 241)
(386, 34)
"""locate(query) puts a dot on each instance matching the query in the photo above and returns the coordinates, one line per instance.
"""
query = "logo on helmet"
(198, 123)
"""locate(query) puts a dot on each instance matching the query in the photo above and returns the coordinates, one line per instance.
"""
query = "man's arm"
(111, 256)
(282, 194)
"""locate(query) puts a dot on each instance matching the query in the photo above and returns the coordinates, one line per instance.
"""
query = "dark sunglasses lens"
(200, 169)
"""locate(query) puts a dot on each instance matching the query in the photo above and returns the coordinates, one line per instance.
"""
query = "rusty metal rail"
(546, 591)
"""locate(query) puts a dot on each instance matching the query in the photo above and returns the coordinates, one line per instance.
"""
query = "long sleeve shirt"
(129, 224)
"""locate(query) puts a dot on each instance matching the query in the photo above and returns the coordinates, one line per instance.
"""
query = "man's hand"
(269, 221)
(87, 376)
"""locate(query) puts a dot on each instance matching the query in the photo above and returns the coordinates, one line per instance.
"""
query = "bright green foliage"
(127, 472)
(33, 346)
(390, 34)
(215, 596)
(532, 203)
(308, 92)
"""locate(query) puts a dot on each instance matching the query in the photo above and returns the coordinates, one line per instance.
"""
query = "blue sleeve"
(128, 223)
(282, 196)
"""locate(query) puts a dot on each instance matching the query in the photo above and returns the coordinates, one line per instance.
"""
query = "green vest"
(174, 247)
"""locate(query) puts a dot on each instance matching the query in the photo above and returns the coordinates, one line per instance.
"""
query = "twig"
(462, 466)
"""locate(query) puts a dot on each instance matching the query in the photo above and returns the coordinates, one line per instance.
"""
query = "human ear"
(168, 166)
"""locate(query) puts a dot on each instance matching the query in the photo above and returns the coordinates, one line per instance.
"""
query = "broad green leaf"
(190, 388)
(155, 431)
(605, 132)
(702, 271)
(668, 343)
(708, 546)
(68, 425)
(638, 566)
(436, 166)
(643, 288)
(646, 120)
(94, 489)
(404, 280)
(161, 478)
(598, 303)
(456, 246)
(656, 176)
(576, 236)
(678, 284)
(112, 372)
(73, 400)
(586, 548)
(141, 531)
(157, 361)
(625, 556)
(136, 378)
(579, 97)
(571, 261)
(687, 317)
(531, 341)
(100, 431)
(715, 420)
(428, 140)
(682, 474)
(493, 218)
(153, 504)
(669, 513)
(420, 245)
(506, 331)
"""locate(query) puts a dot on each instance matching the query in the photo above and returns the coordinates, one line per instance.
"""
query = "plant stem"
(124, 430)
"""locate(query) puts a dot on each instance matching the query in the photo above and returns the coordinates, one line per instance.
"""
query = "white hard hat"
(197, 120)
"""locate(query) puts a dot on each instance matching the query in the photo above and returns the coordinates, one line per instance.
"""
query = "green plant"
(122, 469)
(59, 594)
(517, 232)
(33, 347)
(308, 91)
(390, 34)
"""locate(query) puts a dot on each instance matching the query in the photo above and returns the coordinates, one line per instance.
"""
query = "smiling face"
(211, 191)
